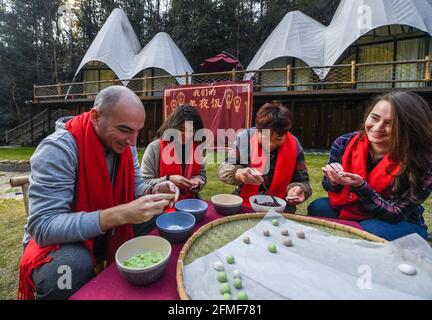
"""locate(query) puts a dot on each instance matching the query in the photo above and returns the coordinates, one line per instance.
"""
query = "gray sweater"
(150, 166)
(54, 173)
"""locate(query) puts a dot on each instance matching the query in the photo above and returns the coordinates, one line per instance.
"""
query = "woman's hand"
(334, 172)
(352, 180)
(337, 176)
(249, 176)
(295, 196)
(197, 185)
(181, 182)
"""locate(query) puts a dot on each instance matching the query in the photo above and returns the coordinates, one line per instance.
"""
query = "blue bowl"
(196, 207)
(175, 226)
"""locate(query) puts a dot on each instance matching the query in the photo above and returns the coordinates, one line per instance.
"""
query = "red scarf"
(284, 170)
(192, 169)
(94, 192)
(381, 178)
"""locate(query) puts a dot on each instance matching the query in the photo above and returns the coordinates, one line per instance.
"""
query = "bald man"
(86, 192)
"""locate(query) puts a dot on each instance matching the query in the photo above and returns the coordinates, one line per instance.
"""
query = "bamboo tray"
(218, 233)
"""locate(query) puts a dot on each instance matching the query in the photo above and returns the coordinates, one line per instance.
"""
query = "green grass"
(12, 218)
(23, 153)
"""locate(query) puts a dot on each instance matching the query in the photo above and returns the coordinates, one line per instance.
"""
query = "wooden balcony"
(357, 77)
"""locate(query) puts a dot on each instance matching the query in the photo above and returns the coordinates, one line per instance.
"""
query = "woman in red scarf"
(381, 175)
(268, 160)
(175, 156)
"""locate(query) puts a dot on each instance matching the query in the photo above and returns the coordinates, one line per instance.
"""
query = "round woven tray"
(218, 233)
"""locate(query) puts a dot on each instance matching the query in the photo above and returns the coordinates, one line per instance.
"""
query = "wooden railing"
(397, 74)
(34, 128)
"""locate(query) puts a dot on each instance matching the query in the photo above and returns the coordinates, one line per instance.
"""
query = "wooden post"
(84, 88)
(428, 68)
(34, 91)
(58, 89)
(289, 76)
(353, 73)
(6, 137)
(145, 85)
(31, 125)
(233, 75)
(49, 120)
(187, 77)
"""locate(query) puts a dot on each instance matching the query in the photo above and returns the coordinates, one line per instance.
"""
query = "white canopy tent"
(117, 46)
(299, 36)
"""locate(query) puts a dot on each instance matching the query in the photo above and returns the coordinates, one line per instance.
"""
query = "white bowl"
(143, 276)
(227, 204)
(265, 198)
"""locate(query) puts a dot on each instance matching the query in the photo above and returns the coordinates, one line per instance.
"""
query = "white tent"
(161, 52)
(299, 36)
(117, 46)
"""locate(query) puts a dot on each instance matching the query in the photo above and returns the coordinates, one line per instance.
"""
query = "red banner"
(222, 105)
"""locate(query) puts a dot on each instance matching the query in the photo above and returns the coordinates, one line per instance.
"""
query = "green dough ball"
(222, 277)
(225, 288)
(237, 283)
(226, 296)
(230, 259)
(275, 222)
(242, 295)
(272, 248)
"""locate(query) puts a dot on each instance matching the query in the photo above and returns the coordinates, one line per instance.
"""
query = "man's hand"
(295, 196)
(135, 212)
(167, 187)
(249, 176)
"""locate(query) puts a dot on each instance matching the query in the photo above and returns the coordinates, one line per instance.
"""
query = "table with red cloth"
(110, 285)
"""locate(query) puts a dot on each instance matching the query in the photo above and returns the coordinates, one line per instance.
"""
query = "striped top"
(384, 207)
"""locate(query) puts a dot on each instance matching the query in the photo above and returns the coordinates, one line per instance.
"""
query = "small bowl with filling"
(227, 204)
(196, 207)
(143, 260)
(264, 203)
(176, 226)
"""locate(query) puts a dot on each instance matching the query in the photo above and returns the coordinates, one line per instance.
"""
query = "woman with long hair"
(173, 156)
(381, 175)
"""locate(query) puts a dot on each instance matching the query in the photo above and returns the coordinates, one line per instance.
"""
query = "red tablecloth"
(110, 285)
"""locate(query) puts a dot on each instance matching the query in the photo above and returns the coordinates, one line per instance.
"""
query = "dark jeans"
(322, 208)
(49, 279)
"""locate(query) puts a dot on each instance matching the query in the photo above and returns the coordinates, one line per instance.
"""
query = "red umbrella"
(221, 62)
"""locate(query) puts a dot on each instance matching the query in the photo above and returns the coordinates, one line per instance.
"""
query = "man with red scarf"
(85, 194)
(268, 160)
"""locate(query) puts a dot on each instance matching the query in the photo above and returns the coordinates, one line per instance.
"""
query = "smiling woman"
(381, 175)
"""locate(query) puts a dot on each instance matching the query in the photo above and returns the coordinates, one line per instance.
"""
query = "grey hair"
(108, 98)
